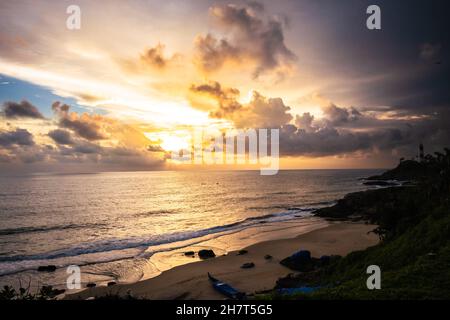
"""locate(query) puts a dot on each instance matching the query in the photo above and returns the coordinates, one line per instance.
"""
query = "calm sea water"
(90, 218)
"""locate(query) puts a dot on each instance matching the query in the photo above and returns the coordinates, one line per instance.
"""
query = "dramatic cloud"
(338, 131)
(151, 60)
(85, 126)
(61, 137)
(304, 122)
(321, 142)
(326, 141)
(83, 147)
(337, 116)
(215, 89)
(135, 87)
(212, 53)
(260, 112)
(226, 98)
(347, 130)
(23, 109)
(18, 137)
(155, 57)
(122, 146)
(248, 37)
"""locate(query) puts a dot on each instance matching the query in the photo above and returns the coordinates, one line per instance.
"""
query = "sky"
(128, 87)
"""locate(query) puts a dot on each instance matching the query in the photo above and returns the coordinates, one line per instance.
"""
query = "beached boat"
(226, 289)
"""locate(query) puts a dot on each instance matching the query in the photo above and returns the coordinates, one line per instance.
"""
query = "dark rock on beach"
(91, 285)
(111, 283)
(206, 254)
(49, 268)
(300, 261)
(242, 252)
(189, 253)
(248, 265)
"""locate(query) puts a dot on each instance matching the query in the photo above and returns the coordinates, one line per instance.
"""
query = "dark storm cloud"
(347, 130)
(212, 53)
(405, 65)
(248, 36)
(84, 126)
(60, 108)
(61, 136)
(328, 141)
(18, 137)
(321, 142)
(89, 131)
(340, 130)
(77, 145)
(337, 116)
(304, 122)
(87, 148)
(108, 157)
(23, 109)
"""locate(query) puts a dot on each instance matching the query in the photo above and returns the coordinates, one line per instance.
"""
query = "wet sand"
(190, 281)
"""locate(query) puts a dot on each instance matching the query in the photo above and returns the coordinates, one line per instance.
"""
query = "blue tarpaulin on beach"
(305, 290)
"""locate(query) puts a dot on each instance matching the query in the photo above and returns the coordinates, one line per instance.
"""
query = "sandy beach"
(189, 281)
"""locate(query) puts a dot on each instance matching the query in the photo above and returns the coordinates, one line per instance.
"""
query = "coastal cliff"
(414, 226)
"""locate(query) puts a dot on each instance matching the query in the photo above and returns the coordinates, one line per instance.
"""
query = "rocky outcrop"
(406, 171)
(364, 205)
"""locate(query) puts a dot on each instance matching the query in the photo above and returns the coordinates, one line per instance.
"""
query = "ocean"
(114, 222)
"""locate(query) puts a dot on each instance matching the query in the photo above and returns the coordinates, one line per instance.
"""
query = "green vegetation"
(414, 225)
(44, 293)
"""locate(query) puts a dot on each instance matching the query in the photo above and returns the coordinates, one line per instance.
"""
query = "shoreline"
(229, 242)
(189, 281)
(159, 258)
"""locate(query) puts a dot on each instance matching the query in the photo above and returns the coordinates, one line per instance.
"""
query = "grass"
(414, 255)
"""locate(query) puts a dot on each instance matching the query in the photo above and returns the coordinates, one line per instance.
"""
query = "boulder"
(300, 261)
(206, 254)
(302, 256)
(49, 268)
(248, 265)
